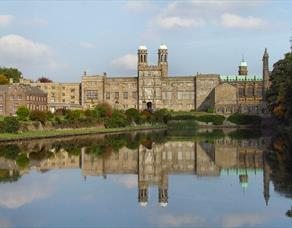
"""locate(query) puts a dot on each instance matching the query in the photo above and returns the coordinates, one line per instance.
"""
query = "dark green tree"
(22, 113)
(11, 124)
(13, 73)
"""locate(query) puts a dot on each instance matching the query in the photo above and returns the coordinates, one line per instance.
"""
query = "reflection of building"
(154, 163)
(153, 86)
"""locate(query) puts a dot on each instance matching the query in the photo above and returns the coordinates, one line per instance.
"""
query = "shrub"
(22, 113)
(215, 119)
(37, 115)
(73, 114)
(183, 117)
(2, 127)
(145, 116)
(243, 119)
(210, 110)
(50, 115)
(11, 124)
(118, 119)
(60, 112)
(104, 109)
(162, 115)
(133, 115)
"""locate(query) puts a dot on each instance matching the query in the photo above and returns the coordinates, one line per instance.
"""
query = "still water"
(146, 179)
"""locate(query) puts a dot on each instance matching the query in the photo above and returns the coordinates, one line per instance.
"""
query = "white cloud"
(87, 45)
(18, 51)
(241, 220)
(189, 14)
(6, 20)
(126, 62)
(179, 220)
(235, 21)
(139, 6)
(178, 22)
(128, 181)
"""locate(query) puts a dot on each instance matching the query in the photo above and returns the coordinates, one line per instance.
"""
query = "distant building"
(15, 95)
(153, 89)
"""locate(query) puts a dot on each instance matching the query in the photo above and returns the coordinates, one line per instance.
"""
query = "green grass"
(63, 132)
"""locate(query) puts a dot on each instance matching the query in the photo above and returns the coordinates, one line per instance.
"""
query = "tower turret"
(242, 69)
(162, 60)
(142, 55)
(266, 73)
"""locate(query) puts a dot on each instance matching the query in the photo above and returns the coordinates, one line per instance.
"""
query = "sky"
(62, 39)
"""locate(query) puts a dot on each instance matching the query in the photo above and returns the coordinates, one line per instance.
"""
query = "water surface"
(153, 178)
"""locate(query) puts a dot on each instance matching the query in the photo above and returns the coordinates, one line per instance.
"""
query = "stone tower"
(242, 69)
(162, 60)
(163, 191)
(142, 57)
(266, 179)
(266, 73)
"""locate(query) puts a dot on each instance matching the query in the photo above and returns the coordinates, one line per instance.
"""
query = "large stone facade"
(152, 88)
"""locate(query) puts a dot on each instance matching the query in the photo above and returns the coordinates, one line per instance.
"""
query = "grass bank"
(72, 132)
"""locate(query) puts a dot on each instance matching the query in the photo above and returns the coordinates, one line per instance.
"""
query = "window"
(27, 98)
(19, 97)
(72, 97)
(125, 95)
(63, 100)
(1, 97)
(91, 95)
(116, 95)
(241, 92)
(72, 90)
(250, 91)
(53, 87)
(108, 95)
(1, 107)
(134, 95)
(12, 97)
(63, 94)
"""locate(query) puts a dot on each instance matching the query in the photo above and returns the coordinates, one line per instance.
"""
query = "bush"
(145, 116)
(22, 113)
(50, 115)
(210, 110)
(11, 124)
(2, 127)
(104, 109)
(183, 117)
(118, 119)
(73, 114)
(215, 119)
(37, 115)
(162, 115)
(243, 119)
(133, 115)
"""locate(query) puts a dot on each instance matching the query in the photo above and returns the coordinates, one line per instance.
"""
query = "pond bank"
(29, 135)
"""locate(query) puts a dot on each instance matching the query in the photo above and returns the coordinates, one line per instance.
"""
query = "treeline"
(279, 95)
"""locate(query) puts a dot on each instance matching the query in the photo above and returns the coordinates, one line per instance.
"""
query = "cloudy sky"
(62, 39)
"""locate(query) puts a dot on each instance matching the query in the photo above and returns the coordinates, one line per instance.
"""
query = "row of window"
(37, 107)
(93, 95)
(250, 92)
(28, 98)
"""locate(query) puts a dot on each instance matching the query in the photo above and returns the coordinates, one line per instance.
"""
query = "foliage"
(245, 134)
(215, 119)
(133, 115)
(243, 119)
(3, 80)
(210, 110)
(72, 114)
(279, 95)
(145, 116)
(44, 80)
(13, 73)
(162, 116)
(37, 115)
(50, 115)
(22, 113)
(9, 151)
(11, 124)
(5, 176)
(118, 119)
(104, 109)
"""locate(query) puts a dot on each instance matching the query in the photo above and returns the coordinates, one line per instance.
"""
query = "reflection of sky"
(63, 197)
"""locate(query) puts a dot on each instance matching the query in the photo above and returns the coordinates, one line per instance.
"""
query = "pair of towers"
(162, 60)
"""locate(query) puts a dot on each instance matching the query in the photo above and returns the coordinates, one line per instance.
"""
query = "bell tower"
(242, 69)
(142, 57)
(162, 60)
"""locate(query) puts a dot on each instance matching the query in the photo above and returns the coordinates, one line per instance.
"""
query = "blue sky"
(62, 39)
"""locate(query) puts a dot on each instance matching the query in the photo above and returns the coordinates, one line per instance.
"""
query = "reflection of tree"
(245, 134)
(9, 151)
(41, 154)
(280, 161)
(9, 175)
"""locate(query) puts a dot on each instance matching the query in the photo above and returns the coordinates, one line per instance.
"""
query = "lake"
(218, 178)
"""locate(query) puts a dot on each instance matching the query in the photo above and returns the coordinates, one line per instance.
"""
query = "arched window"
(165, 58)
(249, 91)
(241, 92)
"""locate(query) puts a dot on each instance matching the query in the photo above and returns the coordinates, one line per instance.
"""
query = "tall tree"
(13, 73)
(279, 95)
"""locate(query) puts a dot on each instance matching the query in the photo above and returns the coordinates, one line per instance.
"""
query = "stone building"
(152, 88)
(15, 95)
(60, 95)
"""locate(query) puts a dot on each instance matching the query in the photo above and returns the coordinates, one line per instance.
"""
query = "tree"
(104, 109)
(44, 80)
(11, 124)
(13, 73)
(3, 80)
(279, 95)
(37, 115)
(22, 113)
(133, 115)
